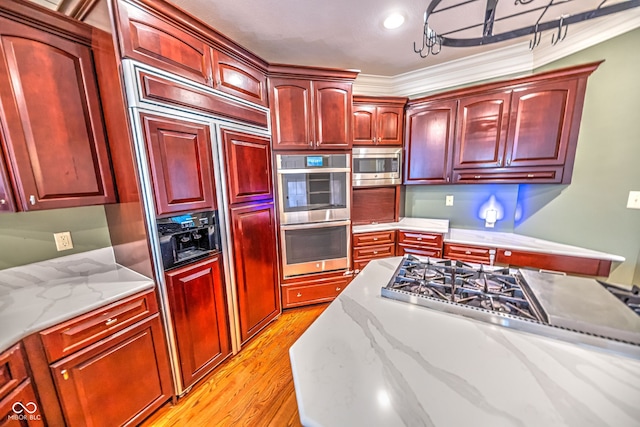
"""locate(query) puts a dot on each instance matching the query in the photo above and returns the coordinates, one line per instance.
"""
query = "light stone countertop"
(370, 361)
(494, 239)
(36, 296)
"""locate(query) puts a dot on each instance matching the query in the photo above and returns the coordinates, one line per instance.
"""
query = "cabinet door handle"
(299, 295)
(65, 374)
(310, 143)
(448, 179)
(3, 202)
(32, 199)
(338, 289)
(508, 162)
(110, 322)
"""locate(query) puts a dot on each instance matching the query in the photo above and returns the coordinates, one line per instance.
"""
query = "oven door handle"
(315, 225)
(299, 171)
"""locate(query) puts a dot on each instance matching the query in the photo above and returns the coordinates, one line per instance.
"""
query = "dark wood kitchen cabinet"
(15, 386)
(553, 262)
(7, 203)
(372, 245)
(253, 229)
(310, 114)
(54, 134)
(314, 288)
(469, 253)
(150, 39)
(180, 163)
(107, 367)
(199, 316)
(481, 130)
(247, 184)
(429, 142)
(377, 121)
(518, 131)
(419, 243)
(148, 32)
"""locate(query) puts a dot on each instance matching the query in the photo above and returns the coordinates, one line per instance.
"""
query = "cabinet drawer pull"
(32, 199)
(530, 175)
(375, 252)
(507, 253)
(477, 176)
(338, 289)
(467, 252)
(375, 239)
(419, 238)
(299, 295)
(65, 374)
(110, 322)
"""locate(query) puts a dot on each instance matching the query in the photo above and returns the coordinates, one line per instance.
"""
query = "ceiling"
(349, 33)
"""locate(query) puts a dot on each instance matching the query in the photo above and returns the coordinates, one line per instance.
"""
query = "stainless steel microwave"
(377, 166)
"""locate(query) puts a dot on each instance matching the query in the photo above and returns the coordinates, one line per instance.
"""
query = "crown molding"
(508, 61)
(588, 34)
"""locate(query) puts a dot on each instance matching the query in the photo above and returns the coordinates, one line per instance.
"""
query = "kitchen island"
(371, 361)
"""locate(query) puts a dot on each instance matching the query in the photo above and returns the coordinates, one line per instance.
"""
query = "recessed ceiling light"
(393, 21)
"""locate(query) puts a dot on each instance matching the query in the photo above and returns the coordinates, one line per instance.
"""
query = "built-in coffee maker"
(187, 237)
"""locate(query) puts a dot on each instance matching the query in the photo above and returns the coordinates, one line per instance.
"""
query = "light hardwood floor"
(253, 388)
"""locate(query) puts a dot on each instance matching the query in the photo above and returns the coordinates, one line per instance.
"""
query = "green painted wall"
(590, 212)
(27, 237)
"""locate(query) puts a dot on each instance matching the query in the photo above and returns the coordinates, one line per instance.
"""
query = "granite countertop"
(494, 239)
(371, 361)
(36, 296)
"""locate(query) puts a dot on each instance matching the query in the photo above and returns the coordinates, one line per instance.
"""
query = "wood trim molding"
(303, 72)
(77, 9)
(500, 63)
(380, 100)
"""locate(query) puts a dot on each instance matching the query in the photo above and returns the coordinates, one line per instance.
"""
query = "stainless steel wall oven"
(313, 188)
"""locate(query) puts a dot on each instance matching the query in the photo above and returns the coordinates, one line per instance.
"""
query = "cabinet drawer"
(314, 293)
(468, 253)
(369, 252)
(12, 369)
(75, 334)
(421, 239)
(377, 238)
(421, 251)
(513, 175)
(568, 264)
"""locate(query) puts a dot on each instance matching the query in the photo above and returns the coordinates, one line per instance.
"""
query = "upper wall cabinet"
(377, 121)
(6, 198)
(247, 184)
(180, 164)
(169, 39)
(481, 130)
(51, 118)
(429, 142)
(156, 42)
(309, 113)
(521, 131)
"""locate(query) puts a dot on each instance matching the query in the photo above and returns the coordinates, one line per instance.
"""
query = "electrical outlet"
(448, 200)
(63, 241)
(634, 200)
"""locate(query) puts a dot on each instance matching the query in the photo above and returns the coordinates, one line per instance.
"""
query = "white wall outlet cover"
(634, 200)
(448, 200)
(63, 241)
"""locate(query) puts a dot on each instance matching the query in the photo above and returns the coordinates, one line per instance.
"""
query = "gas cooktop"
(573, 309)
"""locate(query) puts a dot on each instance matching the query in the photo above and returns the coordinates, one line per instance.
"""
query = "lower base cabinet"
(25, 395)
(118, 381)
(314, 288)
(199, 316)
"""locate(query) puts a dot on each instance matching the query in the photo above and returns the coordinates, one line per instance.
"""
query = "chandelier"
(491, 21)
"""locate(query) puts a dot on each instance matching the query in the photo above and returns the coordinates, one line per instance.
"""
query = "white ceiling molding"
(512, 60)
(588, 34)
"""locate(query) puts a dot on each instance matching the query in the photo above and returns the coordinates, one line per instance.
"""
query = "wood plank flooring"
(253, 388)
